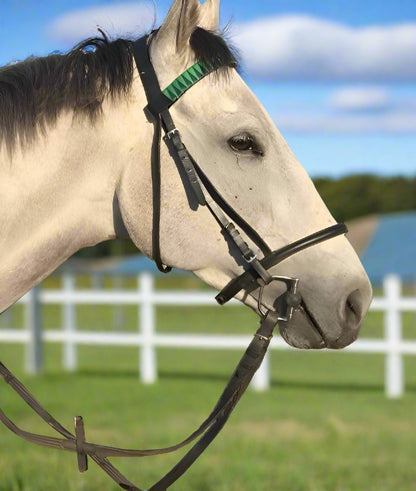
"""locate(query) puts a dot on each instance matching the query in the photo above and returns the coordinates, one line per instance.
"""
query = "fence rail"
(147, 339)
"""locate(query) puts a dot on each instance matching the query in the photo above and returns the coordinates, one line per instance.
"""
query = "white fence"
(147, 339)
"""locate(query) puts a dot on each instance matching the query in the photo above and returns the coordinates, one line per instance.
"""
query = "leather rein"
(256, 276)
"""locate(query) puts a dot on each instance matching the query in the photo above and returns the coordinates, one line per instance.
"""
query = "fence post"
(261, 379)
(69, 323)
(148, 368)
(33, 319)
(393, 333)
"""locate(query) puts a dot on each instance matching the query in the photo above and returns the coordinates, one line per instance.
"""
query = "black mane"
(34, 92)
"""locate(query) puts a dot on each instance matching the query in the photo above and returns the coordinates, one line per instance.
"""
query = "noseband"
(256, 276)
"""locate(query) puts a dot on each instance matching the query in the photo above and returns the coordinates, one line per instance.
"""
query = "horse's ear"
(210, 15)
(180, 23)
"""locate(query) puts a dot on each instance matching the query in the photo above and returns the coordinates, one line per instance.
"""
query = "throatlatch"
(257, 275)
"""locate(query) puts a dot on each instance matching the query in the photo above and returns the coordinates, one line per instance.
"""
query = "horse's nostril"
(354, 309)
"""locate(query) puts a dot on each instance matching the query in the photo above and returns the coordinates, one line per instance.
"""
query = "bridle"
(204, 191)
(256, 276)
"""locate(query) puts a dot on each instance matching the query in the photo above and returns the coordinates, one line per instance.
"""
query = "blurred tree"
(354, 196)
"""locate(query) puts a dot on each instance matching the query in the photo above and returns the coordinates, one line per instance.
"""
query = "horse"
(74, 171)
(81, 162)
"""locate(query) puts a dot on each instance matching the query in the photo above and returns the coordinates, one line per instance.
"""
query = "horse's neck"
(55, 198)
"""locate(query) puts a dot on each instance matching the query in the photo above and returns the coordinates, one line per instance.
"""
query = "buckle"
(250, 257)
(266, 339)
(170, 134)
(291, 298)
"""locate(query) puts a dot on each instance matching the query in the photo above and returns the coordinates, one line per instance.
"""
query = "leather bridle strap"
(204, 191)
(237, 385)
(70, 442)
(248, 281)
(156, 188)
(209, 429)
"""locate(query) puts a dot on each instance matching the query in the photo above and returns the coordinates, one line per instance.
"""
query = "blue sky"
(338, 77)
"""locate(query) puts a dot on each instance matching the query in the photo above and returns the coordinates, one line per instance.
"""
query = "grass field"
(324, 425)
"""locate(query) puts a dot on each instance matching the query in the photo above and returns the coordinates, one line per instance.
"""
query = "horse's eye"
(244, 143)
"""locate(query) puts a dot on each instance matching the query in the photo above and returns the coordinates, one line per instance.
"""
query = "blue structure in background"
(132, 266)
(392, 248)
(114, 266)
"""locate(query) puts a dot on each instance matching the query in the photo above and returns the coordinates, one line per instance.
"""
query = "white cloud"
(355, 109)
(394, 122)
(360, 98)
(296, 47)
(116, 20)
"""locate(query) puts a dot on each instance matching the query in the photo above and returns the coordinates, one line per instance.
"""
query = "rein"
(208, 430)
(256, 275)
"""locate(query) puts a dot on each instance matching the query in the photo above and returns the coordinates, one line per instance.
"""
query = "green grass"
(324, 425)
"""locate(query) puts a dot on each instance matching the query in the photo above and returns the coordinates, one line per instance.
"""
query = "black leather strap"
(238, 219)
(248, 280)
(157, 101)
(156, 198)
(193, 172)
(153, 93)
(68, 443)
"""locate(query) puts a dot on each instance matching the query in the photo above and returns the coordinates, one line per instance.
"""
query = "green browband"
(189, 78)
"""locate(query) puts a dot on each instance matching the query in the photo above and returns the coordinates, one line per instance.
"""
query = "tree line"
(359, 195)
